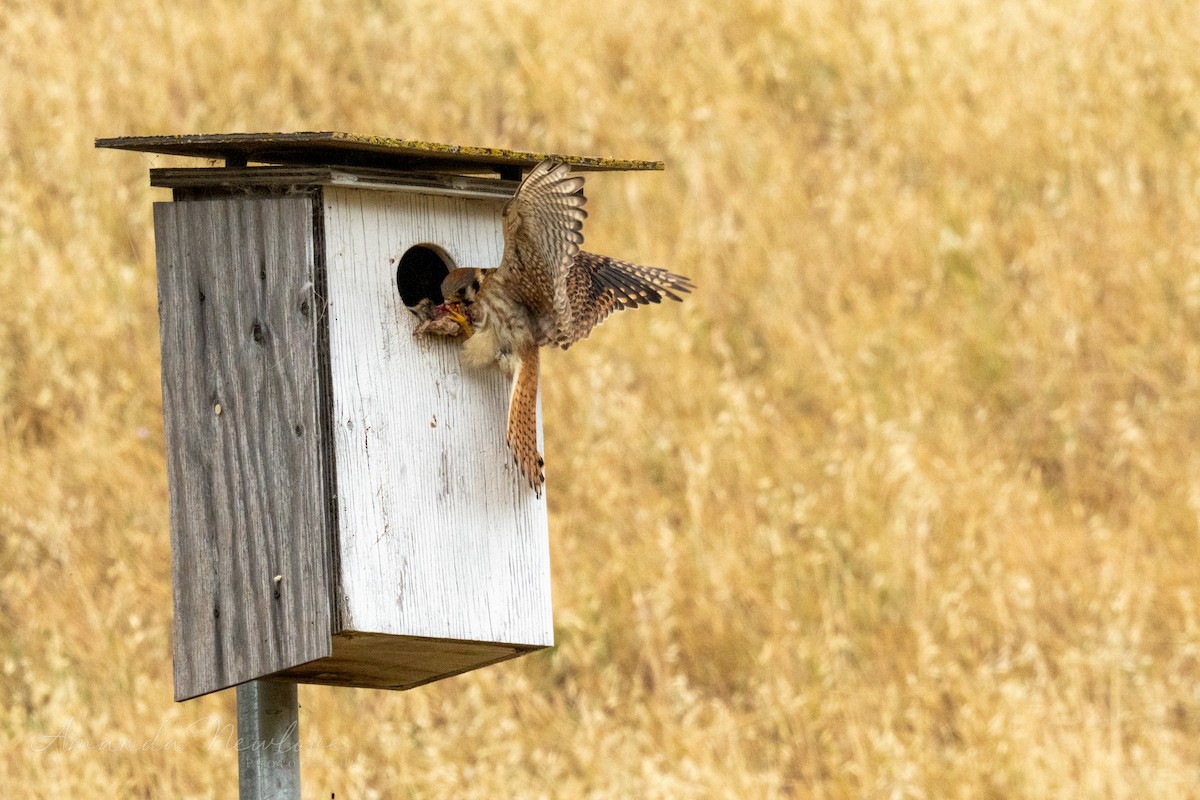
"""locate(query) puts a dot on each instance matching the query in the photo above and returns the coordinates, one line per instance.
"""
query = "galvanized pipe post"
(268, 718)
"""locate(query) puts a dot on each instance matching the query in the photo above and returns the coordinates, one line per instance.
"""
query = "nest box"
(344, 509)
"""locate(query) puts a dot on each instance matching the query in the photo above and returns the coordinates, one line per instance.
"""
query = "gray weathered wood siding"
(245, 464)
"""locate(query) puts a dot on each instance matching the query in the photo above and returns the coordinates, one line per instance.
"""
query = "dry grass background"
(902, 503)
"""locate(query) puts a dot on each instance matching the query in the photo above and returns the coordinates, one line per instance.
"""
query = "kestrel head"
(461, 286)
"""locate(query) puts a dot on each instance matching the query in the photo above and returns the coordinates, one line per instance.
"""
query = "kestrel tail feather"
(522, 419)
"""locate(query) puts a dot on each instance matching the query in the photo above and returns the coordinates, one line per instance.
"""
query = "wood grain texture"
(379, 661)
(237, 180)
(438, 535)
(248, 494)
(350, 149)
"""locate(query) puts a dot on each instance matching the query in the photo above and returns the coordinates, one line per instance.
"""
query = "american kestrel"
(546, 291)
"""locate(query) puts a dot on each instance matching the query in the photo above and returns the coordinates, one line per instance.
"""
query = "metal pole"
(268, 718)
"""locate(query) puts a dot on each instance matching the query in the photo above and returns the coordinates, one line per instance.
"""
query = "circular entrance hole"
(420, 272)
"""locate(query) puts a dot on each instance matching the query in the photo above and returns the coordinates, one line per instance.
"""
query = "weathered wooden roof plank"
(355, 150)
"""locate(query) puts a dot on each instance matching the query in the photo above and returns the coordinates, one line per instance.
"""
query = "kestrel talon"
(546, 291)
(444, 319)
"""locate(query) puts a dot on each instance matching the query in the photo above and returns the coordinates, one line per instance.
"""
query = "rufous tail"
(522, 419)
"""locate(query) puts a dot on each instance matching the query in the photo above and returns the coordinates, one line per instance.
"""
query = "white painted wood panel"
(438, 535)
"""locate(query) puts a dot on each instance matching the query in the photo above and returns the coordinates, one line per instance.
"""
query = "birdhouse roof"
(354, 150)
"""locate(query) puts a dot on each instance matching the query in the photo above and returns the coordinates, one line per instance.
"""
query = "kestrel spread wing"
(598, 285)
(543, 228)
(545, 291)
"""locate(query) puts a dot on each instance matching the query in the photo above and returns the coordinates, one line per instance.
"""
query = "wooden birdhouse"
(344, 509)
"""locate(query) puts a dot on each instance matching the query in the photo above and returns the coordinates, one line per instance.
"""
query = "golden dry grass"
(902, 503)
